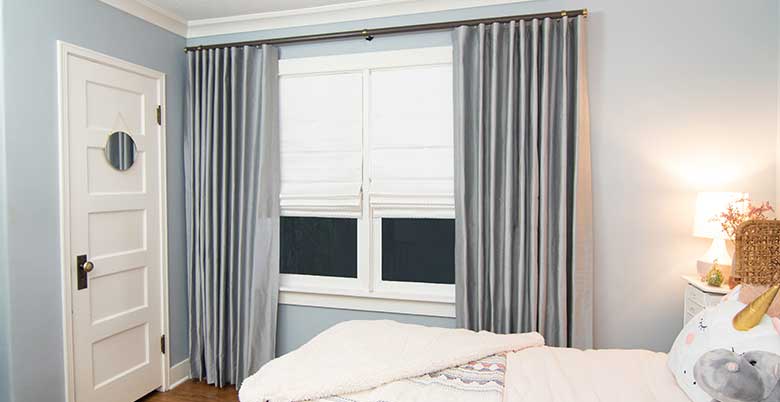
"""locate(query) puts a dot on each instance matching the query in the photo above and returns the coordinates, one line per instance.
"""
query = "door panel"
(103, 178)
(115, 219)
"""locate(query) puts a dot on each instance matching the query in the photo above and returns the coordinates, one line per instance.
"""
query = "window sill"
(416, 304)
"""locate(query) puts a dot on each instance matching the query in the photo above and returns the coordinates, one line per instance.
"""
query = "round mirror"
(120, 150)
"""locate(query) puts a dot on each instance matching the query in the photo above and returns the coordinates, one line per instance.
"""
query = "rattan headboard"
(757, 254)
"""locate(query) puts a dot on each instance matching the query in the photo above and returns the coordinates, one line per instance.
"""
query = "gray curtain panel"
(524, 242)
(232, 187)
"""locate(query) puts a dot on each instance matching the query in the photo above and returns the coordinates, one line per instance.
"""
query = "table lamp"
(707, 224)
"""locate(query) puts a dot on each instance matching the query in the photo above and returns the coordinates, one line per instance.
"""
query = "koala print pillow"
(712, 330)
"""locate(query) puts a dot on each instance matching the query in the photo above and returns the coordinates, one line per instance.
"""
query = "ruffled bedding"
(481, 380)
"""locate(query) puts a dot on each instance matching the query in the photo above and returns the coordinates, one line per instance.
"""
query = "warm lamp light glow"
(709, 206)
(707, 223)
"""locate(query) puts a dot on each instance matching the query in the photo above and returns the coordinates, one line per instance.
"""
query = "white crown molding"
(353, 11)
(153, 14)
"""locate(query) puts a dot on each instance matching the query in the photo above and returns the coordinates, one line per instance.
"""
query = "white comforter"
(356, 356)
(368, 361)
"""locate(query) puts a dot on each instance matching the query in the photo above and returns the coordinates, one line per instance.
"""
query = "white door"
(113, 211)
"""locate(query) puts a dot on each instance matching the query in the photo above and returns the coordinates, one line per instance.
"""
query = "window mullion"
(366, 267)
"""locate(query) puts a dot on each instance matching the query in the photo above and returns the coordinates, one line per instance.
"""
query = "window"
(367, 181)
(318, 246)
(418, 250)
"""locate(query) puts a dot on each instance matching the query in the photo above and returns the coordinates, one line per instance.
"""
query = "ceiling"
(203, 9)
(200, 18)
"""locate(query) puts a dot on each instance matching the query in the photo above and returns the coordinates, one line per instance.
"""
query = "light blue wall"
(297, 324)
(31, 29)
(683, 99)
(5, 380)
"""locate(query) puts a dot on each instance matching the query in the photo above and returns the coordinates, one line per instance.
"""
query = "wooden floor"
(192, 391)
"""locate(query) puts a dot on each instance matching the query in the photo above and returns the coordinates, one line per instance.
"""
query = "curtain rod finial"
(585, 12)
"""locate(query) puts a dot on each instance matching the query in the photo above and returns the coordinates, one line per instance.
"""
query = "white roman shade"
(321, 126)
(411, 141)
(379, 123)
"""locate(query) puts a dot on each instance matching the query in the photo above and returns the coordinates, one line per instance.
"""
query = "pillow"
(748, 293)
(712, 329)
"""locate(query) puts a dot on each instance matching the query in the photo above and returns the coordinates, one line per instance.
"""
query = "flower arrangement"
(739, 211)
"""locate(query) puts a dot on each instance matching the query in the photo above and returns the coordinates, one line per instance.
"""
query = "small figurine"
(715, 276)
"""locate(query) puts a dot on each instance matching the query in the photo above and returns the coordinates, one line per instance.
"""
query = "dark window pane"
(418, 250)
(319, 246)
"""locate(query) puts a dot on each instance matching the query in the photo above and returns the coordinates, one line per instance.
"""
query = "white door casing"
(113, 327)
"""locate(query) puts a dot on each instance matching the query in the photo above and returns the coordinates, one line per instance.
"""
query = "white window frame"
(368, 291)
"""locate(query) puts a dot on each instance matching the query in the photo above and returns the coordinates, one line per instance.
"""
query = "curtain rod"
(368, 34)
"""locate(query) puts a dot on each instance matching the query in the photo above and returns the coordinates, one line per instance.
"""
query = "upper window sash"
(388, 158)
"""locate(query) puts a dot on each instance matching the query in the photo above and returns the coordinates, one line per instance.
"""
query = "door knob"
(88, 266)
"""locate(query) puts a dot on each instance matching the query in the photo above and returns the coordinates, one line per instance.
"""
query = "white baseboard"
(180, 373)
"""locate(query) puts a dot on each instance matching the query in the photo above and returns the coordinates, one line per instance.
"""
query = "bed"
(370, 361)
(727, 352)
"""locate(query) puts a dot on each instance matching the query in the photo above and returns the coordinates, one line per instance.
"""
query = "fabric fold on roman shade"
(523, 203)
(232, 210)
(321, 144)
(410, 140)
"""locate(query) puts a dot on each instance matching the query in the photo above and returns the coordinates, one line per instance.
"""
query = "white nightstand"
(699, 295)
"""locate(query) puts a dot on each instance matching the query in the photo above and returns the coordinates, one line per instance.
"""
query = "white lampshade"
(709, 206)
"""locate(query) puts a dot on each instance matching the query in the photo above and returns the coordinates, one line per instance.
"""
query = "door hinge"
(162, 344)
(159, 115)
